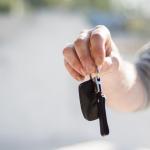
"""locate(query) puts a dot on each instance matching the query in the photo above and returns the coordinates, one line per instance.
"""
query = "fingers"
(108, 47)
(71, 58)
(72, 72)
(82, 49)
(88, 52)
(100, 38)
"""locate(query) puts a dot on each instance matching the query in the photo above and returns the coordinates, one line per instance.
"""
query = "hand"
(92, 49)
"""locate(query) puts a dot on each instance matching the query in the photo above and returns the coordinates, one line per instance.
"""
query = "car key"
(104, 129)
(92, 103)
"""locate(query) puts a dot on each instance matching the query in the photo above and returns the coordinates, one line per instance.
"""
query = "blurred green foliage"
(5, 6)
(8, 5)
(43, 3)
(135, 20)
(102, 4)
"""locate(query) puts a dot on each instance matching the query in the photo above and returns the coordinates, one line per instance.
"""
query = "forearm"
(123, 88)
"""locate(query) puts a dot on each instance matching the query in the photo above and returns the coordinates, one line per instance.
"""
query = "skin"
(94, 48)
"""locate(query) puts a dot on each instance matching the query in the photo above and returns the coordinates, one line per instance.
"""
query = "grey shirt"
(143, 68)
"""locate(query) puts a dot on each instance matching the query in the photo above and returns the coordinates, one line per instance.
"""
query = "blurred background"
(39, 103)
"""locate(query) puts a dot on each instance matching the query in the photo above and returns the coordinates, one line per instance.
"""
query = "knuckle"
(66, 50)
(105, 28)
(79, 42)
(102, 27)
(96, 36)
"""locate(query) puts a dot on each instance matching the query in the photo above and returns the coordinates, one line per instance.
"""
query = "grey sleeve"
(143, 68)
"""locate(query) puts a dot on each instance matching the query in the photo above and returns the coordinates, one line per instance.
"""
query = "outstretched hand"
(92, 49)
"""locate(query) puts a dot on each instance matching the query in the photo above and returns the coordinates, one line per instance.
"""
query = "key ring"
(96, 79)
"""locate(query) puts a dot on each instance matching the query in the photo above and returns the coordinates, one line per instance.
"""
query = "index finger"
(98, 40)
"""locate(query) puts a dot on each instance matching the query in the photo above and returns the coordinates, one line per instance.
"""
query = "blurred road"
(39, 106)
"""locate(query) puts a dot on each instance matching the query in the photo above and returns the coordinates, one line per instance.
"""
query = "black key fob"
(88, 100)
(92, 103)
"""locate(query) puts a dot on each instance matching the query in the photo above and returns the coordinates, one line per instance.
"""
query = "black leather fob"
(88, 100)
(93, 103)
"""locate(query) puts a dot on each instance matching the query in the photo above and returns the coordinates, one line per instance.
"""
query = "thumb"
(110, 65)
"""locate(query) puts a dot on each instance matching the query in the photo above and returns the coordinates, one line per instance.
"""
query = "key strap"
(104, 129)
